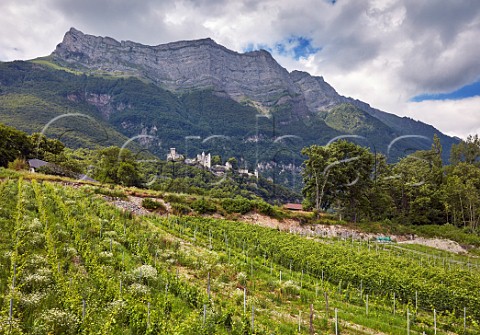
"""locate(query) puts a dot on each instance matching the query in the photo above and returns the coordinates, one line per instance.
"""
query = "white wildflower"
(105, 255)
(32, 300)
(56, 321)
(242, 278)
(145, 272)
(36, 282)
(290, 287)
(139, 289)
(36, 225)
(110, 234)
(35, 239)
(70, 251)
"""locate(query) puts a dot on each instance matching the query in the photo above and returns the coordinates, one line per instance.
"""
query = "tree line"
(15, 144)
(357, 184)
(121, 166)
(341, 177)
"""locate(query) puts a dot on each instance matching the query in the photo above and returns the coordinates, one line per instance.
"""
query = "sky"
(414, 58)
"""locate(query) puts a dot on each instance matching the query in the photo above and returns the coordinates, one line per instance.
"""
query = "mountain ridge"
(254, 77)
(177, 66)
(196, 89)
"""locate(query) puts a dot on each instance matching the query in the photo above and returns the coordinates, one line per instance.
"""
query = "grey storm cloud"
(446, 44)
(443, 18)
(122, 19)
(436, 42)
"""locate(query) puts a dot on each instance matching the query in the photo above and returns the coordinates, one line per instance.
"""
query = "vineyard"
(72, 263)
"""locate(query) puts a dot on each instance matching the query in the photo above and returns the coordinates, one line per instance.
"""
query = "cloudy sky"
(415, 58)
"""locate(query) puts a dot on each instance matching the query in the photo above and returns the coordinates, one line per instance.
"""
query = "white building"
(245, 172)
(204, 160)
(174, 156)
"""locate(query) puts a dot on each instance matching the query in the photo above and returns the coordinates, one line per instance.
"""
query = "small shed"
(86, 178)
(36, 163)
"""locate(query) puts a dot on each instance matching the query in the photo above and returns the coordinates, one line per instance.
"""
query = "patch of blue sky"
(295, 46)
(467, 91)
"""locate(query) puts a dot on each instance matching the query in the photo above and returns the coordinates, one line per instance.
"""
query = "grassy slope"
(31, 96)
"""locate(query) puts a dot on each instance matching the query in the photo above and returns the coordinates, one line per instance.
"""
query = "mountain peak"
(75, 39)
(73, 31)
(181, 65)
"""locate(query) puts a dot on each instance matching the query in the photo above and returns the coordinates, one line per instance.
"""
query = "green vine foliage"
(72, 263)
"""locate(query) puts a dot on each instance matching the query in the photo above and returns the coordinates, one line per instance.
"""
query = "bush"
(175, 198)
(237, 205)
(307, 204)
(18, 164)
(203, 206)
(264, 208)
(180, 209)
(153, 205)
(110, 192)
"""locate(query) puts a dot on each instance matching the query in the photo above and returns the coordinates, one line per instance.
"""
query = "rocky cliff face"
(319, 95)
(254, 78)
(185, 65)
(200, 64)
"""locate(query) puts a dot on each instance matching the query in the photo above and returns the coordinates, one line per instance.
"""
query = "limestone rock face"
(319, 95)
(200, 64)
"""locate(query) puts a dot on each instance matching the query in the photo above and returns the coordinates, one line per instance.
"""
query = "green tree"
(416, 187)
(13, 144)
(314, 174)
(467, 151)
(462, 201)
(115, 165)
(43, 146)
(216, 160)
(380, 204)
(337, 176)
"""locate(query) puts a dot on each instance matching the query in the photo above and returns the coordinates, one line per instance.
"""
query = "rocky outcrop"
(184, 65)
(319, 95)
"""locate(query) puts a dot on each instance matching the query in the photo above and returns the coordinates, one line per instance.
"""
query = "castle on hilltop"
(204, 160)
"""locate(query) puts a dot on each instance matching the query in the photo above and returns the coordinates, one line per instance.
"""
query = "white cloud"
(454, 117)
(380, 51)
(28, 30)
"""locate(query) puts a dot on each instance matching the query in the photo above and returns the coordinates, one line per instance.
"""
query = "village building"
(293, 207)
(173, 156)
(35, 164)
(205, 161)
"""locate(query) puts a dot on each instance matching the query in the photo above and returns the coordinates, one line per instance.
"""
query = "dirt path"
(337, 231)
(437, 244)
